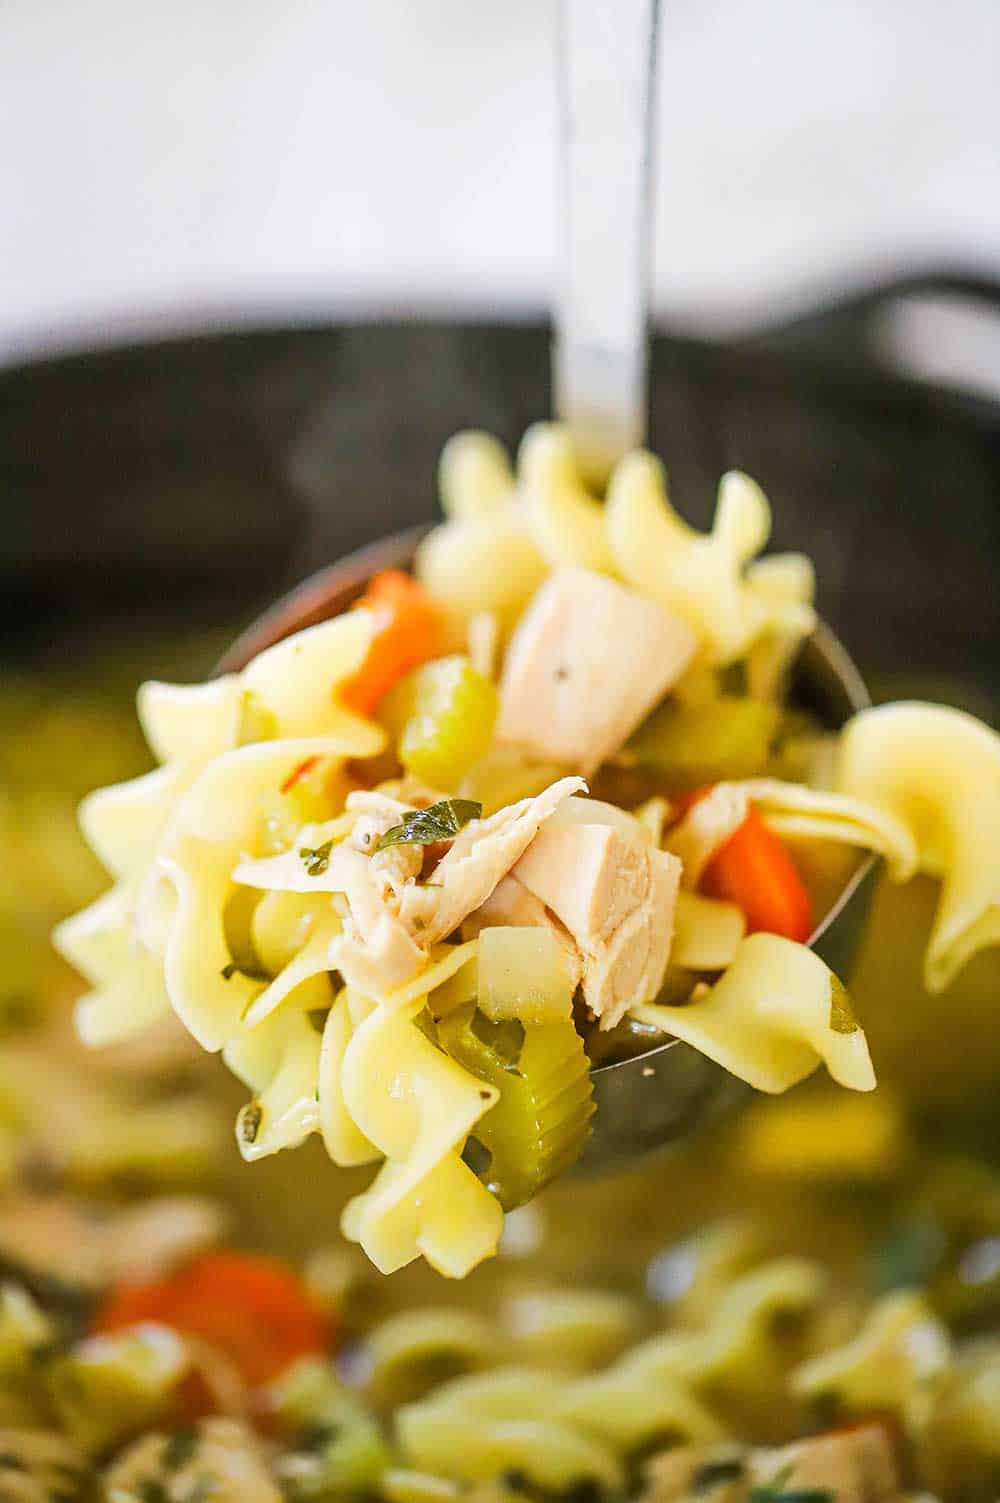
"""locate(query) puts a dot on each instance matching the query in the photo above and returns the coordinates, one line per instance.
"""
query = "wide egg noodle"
(475, 1428)
(937, 770)
(313, 959)
(190, 722)
(403, 1353)
(342, 1138)
(128, 990)
(279, 1061)
(417, 1107)
(703, 577)
(483, 563)
(812, 814)
(895, 1364)
(566, 520)
(769, 1019)
(123, 941)
(474, 475)
(623, 1409)
(213, 824)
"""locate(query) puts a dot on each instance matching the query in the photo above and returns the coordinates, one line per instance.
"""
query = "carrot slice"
(755, 871)
(252, 1309)
(409, 630)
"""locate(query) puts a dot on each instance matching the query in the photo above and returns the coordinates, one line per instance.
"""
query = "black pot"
(189, 480)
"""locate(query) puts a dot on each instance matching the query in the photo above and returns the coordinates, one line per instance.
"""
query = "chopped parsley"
(842, 1019)
(180, 1448)
(729, 1469)
(317, 861)
(775, 1491)
(249, 1120)
(150, 1490)
(442, 821)
(317, 1435)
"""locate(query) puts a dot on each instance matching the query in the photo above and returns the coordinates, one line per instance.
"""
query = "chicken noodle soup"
(371, 869)
(802, 1302)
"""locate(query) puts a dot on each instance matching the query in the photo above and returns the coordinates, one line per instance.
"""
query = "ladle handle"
(607, 67)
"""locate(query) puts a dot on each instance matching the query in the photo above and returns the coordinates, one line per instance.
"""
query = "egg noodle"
(380, 987)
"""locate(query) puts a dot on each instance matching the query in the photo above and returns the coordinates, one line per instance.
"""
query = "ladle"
(650, 1099)
(607, 55)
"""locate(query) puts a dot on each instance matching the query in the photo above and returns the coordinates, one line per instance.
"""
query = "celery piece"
(108, 1387)
(312, 794)
(338, 1450)
(503, 777)
(541, 1122)
(442, 717)
(692, 744)
(524, 974)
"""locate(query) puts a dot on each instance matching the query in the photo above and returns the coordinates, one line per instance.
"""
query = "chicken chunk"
(616, 895)
(587, 663)
(479, 856)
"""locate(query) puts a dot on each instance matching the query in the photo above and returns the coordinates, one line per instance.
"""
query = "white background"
(167, 163)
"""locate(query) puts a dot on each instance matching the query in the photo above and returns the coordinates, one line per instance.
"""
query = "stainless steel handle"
(607, 66)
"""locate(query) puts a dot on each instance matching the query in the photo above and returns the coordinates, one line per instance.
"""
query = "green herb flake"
(317, 1436)
(248, 1124)
(317, 861)
(441, 821)
(152, 1491)
(180, 1448)
(776, 1491)
(729, 1469)
(842, 1019)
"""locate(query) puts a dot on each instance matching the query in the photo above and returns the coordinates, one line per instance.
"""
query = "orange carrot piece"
(409, 630)
(755, 871)
(252, 1309)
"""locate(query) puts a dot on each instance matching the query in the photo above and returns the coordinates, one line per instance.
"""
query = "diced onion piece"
(523, 974)
(707, 932)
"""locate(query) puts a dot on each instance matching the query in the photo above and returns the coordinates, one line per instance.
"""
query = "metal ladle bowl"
(648, 1100)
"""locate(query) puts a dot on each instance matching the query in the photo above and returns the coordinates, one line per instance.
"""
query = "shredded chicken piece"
(375, 952)
(480, 855)
(378, 812)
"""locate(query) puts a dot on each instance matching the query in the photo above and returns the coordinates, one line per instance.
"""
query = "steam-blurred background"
(169, 166)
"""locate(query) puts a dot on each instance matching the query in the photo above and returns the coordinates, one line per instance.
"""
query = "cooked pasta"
(369, 872)
(937, 771)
